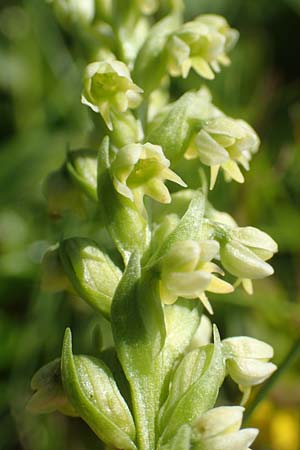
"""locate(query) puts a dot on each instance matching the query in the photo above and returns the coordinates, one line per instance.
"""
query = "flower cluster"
(156, 254)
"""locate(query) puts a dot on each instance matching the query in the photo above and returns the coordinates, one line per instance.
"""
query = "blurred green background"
(41, 114)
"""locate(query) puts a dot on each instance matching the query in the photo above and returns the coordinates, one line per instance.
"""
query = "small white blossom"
(187, 271)
(224, 142)
(109, 88)
(202, 45)
(247, 361)
(142, 169)
(219, 429)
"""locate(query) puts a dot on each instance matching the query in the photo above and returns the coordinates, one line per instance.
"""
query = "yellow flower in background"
(279, 427)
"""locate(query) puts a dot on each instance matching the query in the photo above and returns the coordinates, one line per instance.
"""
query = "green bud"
(193, 389)
(71, 12)
(257, 241)
(224, 142)
(63, 195)
(202, 45)
(49, 395)
(126, 129)
(82, 167)
(219, 429)
(92, 273)
(247, 360)
(141, 169)
(108, 88)
(93, 392)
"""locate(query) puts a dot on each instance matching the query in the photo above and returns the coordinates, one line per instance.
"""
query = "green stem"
(286, 363)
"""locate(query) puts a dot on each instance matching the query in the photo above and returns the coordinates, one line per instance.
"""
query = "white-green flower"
(109, 88)
(187, 271)
(219, 429)
(244, 254)
(142, 169)
(224, 142)
(202, 45)
(247, 361)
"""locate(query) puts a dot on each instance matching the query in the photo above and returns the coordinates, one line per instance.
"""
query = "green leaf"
(139, 333)
(127, 227)
(181, 440)
(150, 63)
(82, 167)
(184, 117)
(94, 394)
(182, 319)
(194, 388)
(189, 228)
(92, 273)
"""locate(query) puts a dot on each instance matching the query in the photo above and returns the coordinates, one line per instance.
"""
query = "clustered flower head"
(187, 271)
(224, 142)
(202, 45)
(108, 88)
(219, 429)
(167, 250)
(142, 169)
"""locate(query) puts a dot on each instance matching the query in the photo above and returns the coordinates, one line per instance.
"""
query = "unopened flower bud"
(248, 360)
(256, 240)
(219, 429)
(82, 167)
(245, 251)
(243, 263)
(108, 87)
(92, 273)
(95, 396)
